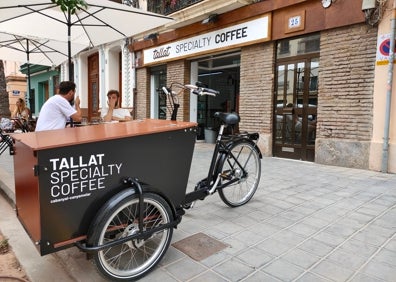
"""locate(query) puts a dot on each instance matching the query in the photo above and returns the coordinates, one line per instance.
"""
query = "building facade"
(304, 74)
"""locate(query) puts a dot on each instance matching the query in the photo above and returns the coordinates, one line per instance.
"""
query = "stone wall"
(345, 102)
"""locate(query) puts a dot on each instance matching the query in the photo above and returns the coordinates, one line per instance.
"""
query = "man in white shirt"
(58, 109)
(114, 111)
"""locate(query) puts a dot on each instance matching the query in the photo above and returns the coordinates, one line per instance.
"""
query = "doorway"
(296, 99)
(93, 86)
(158, 108)
(221, 73)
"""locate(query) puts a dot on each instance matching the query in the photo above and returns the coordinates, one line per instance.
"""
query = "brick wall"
(346, 81)
(256, 76)
(179, 71)
(345, 101)
(142, 103)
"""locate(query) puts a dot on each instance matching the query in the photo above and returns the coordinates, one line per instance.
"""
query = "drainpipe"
(385, 146)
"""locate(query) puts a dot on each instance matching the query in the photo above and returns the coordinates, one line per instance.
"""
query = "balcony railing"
(166, 7)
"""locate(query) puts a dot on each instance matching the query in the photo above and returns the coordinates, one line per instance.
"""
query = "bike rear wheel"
(135, 258)
(242, 155)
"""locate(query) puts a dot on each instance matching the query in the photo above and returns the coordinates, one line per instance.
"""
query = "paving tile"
(281, 222)
(316, 247)
(385, 201)
(274, 247)
(332, 271)
(373, 208)
(160, 274)
(293, 215)
(228, 227)
(266, 230)
(283, 270)
(171, 255)
(281, 203)
(391, 245)
(386, 256)
(347, 260)
(251, 237)
(216, 259)
(208, 276)
(340, 229)
(301, 258)
(374, 235)
(304, 229)
(315, 221)
(358, 248)
(236, 246)
(290, 237)
(260, 215)
(260, 276)
(328, 238)
(387, 221)
(233, 270)
(361, 277)
(254, 257)
(380, 270)
(294, 199)
(311, 277)
(185, 269)
(361, 217)
(247, 221)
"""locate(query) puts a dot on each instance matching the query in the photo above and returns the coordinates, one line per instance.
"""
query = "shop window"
(298, 46)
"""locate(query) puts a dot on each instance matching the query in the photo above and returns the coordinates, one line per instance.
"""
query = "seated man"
(58, 109)
(114, 111)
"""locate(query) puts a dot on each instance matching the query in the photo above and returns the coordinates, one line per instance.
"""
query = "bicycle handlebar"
(195, 89)
(172, 96)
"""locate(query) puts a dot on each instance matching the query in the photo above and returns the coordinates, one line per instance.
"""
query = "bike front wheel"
(135, 258)
(241, 168)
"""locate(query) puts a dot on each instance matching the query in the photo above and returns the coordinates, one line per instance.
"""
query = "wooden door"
(93, 86)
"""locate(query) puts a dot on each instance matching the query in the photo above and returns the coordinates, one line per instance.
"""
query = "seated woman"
(21, 115)
(114, 111)
(21, 111)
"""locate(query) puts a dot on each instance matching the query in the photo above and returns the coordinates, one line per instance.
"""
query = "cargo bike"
(117, 191)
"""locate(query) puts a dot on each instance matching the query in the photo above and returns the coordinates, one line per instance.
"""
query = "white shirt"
(118, 113)
(54, 113)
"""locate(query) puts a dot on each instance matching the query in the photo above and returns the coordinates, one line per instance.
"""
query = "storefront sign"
(249, 32)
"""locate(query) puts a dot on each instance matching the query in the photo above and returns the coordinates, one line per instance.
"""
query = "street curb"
(5, 184)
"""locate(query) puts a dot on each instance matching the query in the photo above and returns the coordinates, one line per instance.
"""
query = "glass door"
(295, 110)
(158, 98)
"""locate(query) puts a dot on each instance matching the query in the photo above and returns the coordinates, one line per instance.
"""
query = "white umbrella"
(38, 51)
(101, 22)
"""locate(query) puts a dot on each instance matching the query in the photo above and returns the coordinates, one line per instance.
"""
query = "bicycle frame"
(210, 184)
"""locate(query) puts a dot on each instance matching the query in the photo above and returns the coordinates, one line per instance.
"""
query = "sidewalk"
(307, 222)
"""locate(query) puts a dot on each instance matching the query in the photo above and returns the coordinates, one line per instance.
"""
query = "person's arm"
(122, 115)
(127, 115)
(109, 115)
(77, 115)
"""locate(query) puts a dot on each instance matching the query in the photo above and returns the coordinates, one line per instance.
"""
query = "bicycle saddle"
(228, 118)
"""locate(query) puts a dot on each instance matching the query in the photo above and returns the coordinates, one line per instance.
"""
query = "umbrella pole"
(69, 43)
(28, 76)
